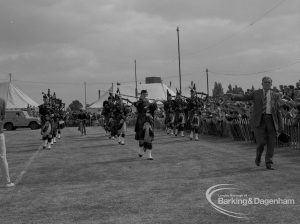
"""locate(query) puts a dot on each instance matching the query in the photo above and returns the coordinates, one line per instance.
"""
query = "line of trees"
(218, 90)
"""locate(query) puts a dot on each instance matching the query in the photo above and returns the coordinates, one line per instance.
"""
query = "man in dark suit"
(266, 120)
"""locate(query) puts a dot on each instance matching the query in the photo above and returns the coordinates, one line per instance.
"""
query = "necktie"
(264, 103)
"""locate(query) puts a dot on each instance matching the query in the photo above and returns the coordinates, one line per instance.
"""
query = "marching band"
(51, 114)
(194, 115)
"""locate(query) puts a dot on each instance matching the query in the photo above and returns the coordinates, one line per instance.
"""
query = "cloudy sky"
(60, 44)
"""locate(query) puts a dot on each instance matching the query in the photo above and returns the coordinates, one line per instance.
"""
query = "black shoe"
(150, 159)
(269, 166)
(140, 155)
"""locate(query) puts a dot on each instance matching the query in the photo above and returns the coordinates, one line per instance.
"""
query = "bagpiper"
(169, 114)
(46, 127)
(180, 117)
(119, 117)
(54, 118)
(194, 105)
(144, 124)
(51, 114)
(107, 113)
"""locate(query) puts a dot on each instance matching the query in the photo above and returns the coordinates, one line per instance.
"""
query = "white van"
(19, 118)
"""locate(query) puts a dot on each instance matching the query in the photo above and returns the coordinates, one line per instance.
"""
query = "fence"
(240, 130)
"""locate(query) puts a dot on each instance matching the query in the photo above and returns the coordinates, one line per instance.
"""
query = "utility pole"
(207, 87)
(85, 95)
(179, 59)
(9, 77)
(136, 92)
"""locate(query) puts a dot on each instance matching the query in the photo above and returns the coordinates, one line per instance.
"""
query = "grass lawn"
(91, 179)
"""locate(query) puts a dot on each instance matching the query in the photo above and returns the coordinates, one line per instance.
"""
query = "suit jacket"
(258, 97)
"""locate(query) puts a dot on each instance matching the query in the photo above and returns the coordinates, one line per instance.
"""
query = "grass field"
(91, 179)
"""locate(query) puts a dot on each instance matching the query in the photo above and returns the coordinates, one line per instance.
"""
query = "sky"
(61, 44)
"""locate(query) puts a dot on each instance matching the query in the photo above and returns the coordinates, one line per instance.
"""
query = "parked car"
(19, 118)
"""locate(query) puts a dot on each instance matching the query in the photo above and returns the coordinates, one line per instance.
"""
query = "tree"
(229, 89)
(75, 105)
(237, 90)
(218, 90)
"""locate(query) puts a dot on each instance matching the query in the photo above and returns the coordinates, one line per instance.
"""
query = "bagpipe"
(54, 105)
(197, 99)
(150, 105)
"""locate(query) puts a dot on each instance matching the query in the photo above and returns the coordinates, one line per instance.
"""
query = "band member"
(46, 132)
(123, 126)
(54, 125)
(266, 119)
(194, 105)
(194, 125)
(179, 108)
(46, 128)
(44, 109)
(119, 120)
(51, 111)
(106, 113)
(58, 118)
(61, 125)
(169, 114)
(144, 124)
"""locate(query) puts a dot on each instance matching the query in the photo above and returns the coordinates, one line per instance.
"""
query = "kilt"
(139, 126)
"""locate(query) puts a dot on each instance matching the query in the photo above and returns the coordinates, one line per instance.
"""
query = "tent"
(99, 103)
(14, 97)
(156, 91)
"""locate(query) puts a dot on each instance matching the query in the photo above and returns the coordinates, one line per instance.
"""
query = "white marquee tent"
(99, 103)
(156, 91)
(14, 97)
